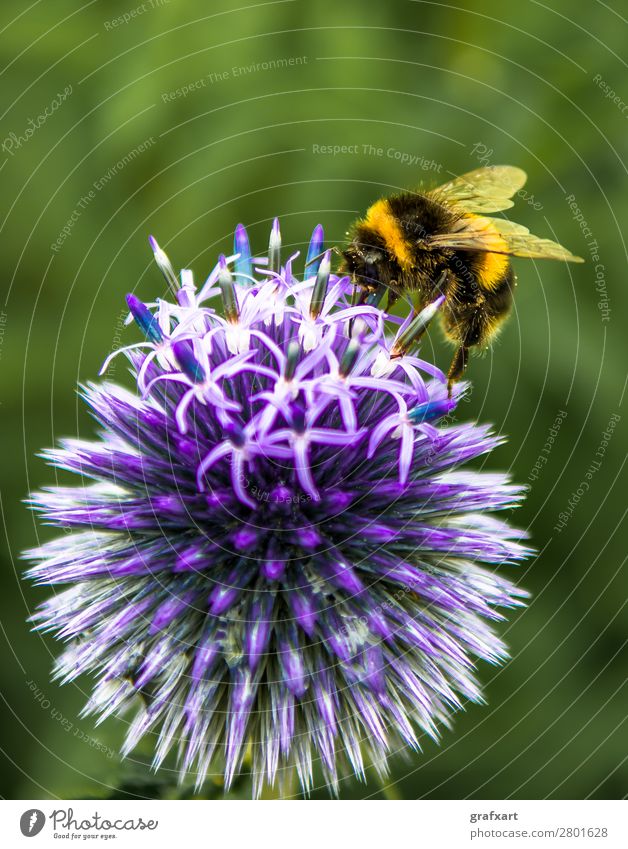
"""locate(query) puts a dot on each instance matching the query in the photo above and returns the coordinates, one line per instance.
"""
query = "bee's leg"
(393, 297)
(457, 367)
(375, 295)
(365, 295)
(358, 296)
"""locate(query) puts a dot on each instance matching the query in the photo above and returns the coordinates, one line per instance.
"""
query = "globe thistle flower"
(275, 559)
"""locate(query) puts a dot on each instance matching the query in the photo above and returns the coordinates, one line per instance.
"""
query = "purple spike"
(304, 607)
(206, 655)
(285, 720)
(281, 495)
(338, 500)
(291, 662)
(117, 626)
(273, 569)
(308, 538)
(154, 663)
(258, 630)
(378, 532)
(225, 594)
(337, 642)
(243, 691)
(379, 624)
(192, 558)
(326, 749)
(222, 598)
(341, 574)
(244, 538)
(326, 699)
(274, 564)
(374, 670)
(369, 716)
(168, 611)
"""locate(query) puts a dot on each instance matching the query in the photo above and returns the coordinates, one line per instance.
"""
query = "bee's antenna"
(312, 259)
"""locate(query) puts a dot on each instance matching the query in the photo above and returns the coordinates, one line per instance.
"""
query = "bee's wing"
(499, 236)
(483, 190)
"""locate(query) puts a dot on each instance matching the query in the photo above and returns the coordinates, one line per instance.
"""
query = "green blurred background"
(431, 90)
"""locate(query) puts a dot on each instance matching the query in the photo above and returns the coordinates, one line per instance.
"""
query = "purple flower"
(274, 559)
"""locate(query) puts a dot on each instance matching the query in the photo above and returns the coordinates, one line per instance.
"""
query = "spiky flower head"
(275, 559)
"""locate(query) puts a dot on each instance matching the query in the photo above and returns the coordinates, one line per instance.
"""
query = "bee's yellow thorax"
(380, 218)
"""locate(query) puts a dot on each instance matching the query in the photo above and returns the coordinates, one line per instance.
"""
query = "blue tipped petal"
(188, 362)
(144, 319)
(319, 292)
(314, 251)
(431, 410)
(243, 262)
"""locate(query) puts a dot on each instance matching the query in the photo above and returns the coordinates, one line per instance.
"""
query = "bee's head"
(362, 262)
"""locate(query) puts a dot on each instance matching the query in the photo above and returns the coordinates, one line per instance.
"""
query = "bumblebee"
(421, 245)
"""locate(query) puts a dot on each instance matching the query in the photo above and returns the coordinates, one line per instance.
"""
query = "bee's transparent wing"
(483, 190)
(499, 236)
